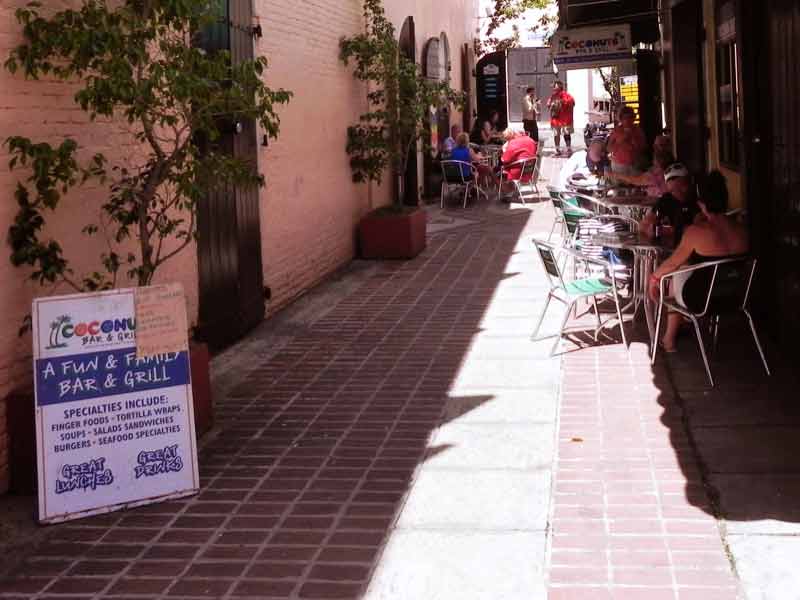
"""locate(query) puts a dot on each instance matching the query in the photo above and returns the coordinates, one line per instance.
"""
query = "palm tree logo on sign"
(55, 330)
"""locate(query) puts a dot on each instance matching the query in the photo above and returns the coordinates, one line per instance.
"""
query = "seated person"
(518, 146)
(475, 133)
(485, 131)
(677, 208)
(449, 142)
(653, 178)
(713, 237)
(464, 153)
(585, 164)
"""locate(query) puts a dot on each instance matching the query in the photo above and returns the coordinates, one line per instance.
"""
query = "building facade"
(275, 245)
(729, 83)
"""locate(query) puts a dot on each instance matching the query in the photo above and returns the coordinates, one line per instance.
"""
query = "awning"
(591, 47)
(641, 15)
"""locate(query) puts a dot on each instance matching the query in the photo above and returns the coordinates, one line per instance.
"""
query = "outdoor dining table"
(492, 153)
(647, 255)
(633, 206)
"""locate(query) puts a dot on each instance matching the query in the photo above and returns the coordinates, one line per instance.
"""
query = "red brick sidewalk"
(631, 518)
(316, 450)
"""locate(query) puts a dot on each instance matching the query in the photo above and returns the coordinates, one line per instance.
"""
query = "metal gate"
(229, 235)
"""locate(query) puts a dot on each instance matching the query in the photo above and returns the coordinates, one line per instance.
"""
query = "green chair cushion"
(587, 287)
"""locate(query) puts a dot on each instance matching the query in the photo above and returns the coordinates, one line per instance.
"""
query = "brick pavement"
(319, 455)
(631, 517)
(316, 448)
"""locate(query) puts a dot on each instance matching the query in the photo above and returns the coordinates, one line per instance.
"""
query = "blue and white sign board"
(112, 430)
(590, 47)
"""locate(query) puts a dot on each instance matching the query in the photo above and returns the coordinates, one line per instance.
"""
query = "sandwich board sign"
(114, 414)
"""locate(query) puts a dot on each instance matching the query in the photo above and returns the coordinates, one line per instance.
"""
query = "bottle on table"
(657, 226)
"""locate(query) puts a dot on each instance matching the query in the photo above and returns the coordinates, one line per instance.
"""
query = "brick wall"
(44, 111)
(309, 207)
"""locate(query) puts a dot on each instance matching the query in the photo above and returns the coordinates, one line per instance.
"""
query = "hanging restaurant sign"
(590, 47)
(114, 414)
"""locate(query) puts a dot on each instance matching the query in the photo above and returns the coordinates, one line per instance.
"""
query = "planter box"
(199, 359)
(21, 424)
(393, 235)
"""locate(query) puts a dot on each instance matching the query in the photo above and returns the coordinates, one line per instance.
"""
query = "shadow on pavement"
(315, 447)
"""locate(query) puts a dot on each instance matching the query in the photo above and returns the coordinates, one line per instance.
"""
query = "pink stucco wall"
(309, 207)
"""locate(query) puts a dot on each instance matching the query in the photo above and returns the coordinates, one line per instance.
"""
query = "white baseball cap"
(675, 170)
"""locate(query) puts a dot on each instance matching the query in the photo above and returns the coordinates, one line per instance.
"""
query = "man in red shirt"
(519, 146)
(561, 106)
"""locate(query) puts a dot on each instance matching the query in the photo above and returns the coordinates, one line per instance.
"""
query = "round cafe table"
(647, 254)
(635, 207)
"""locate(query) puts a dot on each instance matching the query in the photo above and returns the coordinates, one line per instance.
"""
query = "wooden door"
(781, 146)
(408, 46)
(229, 234)
(770, 42)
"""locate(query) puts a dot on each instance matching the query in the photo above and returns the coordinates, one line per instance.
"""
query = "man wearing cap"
(678, 207)
(585, 163)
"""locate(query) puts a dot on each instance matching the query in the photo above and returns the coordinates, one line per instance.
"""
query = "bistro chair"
(568, 293)
(527, 172)
(558, 209)
(727, 284)
(590, 203)
(456, 174)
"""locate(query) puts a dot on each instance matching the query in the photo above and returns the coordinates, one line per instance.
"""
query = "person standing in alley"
(561, 106)
(530, 113)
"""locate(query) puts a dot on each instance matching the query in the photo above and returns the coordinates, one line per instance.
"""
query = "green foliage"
(135, 61)
(612, 81)
(399, 99)
(511, 10)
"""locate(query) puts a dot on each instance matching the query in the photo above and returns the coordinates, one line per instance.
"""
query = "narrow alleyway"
(394, 436)
(421, 376)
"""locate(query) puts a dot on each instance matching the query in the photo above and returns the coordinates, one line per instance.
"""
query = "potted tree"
(387, 135)
(134, 62)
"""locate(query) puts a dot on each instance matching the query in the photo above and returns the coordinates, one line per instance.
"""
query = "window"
(216, 35)
(728, 112)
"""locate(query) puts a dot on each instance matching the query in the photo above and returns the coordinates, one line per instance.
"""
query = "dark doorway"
(769, 35)
(648, 70)
(490, 73)
(689, 129)
(228, 225)
(466, 86)
(436, 68)
(408, 46)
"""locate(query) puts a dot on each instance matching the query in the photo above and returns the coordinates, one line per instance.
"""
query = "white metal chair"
(591, 203)
(457, 173)
(727, 285)
(558, 209)
(526, 177)
(568, 293)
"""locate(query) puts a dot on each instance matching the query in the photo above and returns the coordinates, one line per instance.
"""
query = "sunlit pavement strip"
(474, 523)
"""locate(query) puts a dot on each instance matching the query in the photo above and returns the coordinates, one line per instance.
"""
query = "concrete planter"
(385, 235)
(21, 423)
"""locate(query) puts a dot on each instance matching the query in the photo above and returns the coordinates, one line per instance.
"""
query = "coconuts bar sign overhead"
(114, 425)
(590, 47)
